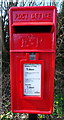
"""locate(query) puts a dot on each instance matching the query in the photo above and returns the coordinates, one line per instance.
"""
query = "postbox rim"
(32, 7)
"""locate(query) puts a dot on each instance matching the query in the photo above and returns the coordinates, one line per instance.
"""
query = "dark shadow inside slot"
(32, 29)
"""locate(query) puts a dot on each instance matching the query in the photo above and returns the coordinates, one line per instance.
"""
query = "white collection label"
(32, 79)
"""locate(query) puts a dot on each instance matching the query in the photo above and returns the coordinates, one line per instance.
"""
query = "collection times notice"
(32, 79)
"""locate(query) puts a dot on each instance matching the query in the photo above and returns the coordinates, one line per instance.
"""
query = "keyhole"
(32, 56)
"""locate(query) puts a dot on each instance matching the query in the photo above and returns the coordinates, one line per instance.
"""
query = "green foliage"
(8, 116)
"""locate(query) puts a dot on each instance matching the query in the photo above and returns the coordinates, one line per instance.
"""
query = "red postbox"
(32, 58)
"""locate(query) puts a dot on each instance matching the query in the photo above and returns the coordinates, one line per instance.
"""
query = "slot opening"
(32, 29)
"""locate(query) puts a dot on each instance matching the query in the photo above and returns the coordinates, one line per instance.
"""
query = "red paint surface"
(32, 29)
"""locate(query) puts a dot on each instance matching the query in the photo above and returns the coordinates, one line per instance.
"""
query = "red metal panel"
(32, 30)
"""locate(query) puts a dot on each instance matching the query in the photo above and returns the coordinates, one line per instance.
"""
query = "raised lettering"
(32, 16)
